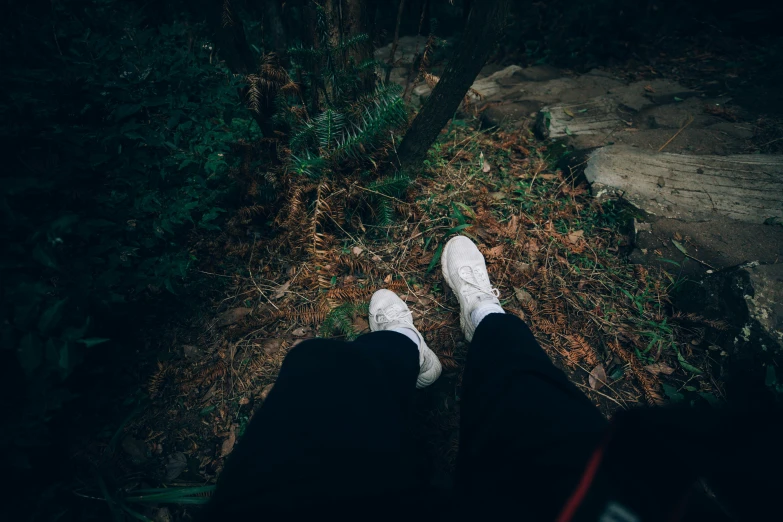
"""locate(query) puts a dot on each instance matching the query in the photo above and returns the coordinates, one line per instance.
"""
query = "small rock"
(376, 258)
(357, 251)
(498, 196)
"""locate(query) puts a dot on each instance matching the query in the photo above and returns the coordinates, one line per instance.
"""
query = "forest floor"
(553, 252)
(558, 257)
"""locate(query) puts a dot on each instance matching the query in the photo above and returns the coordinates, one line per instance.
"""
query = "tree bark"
(484, 26)
(349, 18)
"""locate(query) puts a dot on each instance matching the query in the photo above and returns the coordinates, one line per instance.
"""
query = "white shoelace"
(394, 313)
(474, 287)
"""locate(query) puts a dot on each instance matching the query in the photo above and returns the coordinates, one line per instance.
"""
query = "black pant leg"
(332, 430)
(526, 430)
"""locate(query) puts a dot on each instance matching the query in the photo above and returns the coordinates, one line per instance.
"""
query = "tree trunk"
(484, 27)
(347, 19)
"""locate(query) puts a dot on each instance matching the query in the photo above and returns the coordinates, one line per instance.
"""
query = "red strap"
(569, 510)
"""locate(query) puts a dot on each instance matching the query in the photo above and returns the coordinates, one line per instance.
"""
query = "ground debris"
(233, 316)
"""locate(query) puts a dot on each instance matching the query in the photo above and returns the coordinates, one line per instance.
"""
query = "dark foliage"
(119, 137)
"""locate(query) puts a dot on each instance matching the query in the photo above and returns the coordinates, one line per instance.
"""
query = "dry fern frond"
(447, 360)
(396, 286)
(695, 318)
(641, 274)
(293, 214)
(351, 293)
(158, 379)
(650, 384)
(270, 79)
(353, 264)
(545, 326)
(251, 211)
(318, 240)
(237, 249)
(209, 374)
(580, 351)
(309, 314)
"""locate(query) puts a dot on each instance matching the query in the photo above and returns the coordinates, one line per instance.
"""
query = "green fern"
(382, 113)
(393, 186)
(327, 127)
(308, 165)
(339, 321)
(384, 212)
(352, 42)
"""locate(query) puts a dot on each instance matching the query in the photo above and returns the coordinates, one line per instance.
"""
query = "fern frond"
(384, 112)
(253, 93)
(368, 65)
(303, 137)
(339, 321)
(269, 68)
(384, 212)
(308, 165)
(352, 42)
(304, 55)
(394, 186)
(328, 126)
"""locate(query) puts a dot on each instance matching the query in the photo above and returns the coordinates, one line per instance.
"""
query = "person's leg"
(333, 430)
(526, 430)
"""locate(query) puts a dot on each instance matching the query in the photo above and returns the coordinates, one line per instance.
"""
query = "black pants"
(333, 433)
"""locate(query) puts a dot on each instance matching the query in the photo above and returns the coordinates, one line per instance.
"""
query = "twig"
(253, 279)
(380, 194)
(601, 394)
(702, 262)
(690, 120)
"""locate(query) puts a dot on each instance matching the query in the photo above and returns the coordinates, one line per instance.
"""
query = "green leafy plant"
(124, 137)
(343, 120)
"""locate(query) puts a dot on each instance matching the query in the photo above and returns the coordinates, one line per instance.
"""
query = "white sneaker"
(389, 312)
(465, 271)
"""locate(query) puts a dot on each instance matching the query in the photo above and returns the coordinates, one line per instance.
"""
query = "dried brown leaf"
(233, 316)
(658, 368)
(228, 444)
(597, 377)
